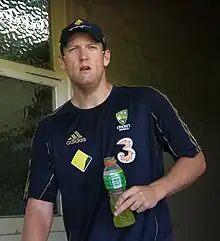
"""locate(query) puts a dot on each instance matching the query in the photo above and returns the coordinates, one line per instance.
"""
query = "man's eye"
(71, 49)
(92, 47)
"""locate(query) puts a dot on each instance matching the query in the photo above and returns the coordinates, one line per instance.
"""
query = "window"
(25, 32)
(23, 104)
(31, 85)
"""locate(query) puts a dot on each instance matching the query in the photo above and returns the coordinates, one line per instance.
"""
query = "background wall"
(172, 46)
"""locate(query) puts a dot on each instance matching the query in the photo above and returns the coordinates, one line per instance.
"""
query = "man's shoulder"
(141, 91)
(48, 120)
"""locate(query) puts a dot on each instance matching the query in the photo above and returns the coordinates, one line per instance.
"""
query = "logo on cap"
(78, 21)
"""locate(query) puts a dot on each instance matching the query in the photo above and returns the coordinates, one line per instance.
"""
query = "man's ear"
(107, 57)
(62, 63)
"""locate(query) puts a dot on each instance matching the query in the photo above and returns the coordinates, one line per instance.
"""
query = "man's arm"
(38, 220)
(41, 187)
(185, 171)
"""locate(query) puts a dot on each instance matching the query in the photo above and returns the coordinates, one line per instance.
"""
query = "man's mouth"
(84, 68)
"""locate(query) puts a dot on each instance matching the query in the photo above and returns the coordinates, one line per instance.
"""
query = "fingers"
(135, 206)
(137, 198)
(125, 205)
(125, 195)
(141, 209)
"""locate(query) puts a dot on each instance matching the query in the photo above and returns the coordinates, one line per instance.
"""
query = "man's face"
(84, 60)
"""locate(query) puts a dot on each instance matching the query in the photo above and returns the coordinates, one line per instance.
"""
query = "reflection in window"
(24, 32)
(22, 106)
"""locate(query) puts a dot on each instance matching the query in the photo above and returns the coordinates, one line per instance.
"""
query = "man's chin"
(84, 84)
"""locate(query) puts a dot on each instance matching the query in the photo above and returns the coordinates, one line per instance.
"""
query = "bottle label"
(115, 180)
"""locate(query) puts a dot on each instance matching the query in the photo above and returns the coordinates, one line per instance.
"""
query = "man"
(134, 124)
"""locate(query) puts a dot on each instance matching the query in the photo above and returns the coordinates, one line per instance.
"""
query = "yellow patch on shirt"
(81, 160)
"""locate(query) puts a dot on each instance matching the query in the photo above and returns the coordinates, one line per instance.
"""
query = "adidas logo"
(75, 138)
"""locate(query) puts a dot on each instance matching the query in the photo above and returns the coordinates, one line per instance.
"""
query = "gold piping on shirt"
(48, 184)
(164, 136)
(185, 127)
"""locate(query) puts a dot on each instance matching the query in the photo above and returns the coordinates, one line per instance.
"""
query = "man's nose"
(83, 54)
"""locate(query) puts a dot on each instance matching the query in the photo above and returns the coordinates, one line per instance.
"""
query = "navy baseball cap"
(82, 26)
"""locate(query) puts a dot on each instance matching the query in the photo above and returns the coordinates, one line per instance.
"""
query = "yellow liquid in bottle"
(125, 219)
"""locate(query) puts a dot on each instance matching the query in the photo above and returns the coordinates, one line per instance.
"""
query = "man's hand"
(139, 198)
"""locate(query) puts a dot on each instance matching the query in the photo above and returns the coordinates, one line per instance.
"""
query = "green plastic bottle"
(115, 183)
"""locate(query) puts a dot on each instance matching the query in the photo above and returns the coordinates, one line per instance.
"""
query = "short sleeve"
(41, 183)
(172, 133)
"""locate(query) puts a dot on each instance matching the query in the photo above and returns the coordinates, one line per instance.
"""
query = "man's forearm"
(35, 229)
(37, 224)
(183, 173)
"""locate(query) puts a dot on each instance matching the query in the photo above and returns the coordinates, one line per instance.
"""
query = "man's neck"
(92, 97)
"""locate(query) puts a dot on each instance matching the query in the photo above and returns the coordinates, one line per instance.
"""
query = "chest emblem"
(122, 117)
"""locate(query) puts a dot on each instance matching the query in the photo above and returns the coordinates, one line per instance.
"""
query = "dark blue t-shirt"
(134, 124)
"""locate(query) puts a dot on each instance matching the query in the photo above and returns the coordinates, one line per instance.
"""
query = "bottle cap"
(109, 161)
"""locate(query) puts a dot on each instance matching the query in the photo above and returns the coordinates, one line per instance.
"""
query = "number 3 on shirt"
(127, 148)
